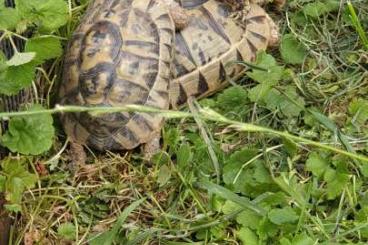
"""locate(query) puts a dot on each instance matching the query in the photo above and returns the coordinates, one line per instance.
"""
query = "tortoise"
(128, 52)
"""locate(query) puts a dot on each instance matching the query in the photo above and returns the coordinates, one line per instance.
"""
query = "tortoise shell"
(212, 40)
(122, 53)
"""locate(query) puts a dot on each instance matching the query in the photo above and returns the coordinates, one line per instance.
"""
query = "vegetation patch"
(278, 158)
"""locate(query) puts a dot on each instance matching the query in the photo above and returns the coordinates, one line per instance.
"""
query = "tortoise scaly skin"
(122, 53)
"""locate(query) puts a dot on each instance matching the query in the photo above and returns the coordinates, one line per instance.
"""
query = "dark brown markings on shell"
(103, 31)
(202, 57)
(168, 30)
(163, 94)
(252, 47)
(222, 72)
(224, 10)
(257, 19)
(129, 134)
(214, 24)
(150, 4)
(191, 3)
(130, 56)
(202, 84)
(130, 85)
(166, 63)
(183, 97)
(182, 46)
(169, 47)
(259, 36)
(124, 15)
(150, 78)
(153, 47)
(239, 56)
(164, 17)
(180, 69)
(143, 122)
(93, 75)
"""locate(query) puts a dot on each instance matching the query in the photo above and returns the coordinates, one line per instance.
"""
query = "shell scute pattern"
(204, 48)
(122, 53)
(117, 59)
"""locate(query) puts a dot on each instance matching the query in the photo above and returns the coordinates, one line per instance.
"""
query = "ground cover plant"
(279, 157)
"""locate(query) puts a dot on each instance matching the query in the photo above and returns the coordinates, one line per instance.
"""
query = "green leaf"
(44, 47)
(21, 58)
(15, 78)
(284, 215)
(108, 237)
(290, 146)
(316, 164)
(303, 239)
(273, 73)
(336, 180)
(30, 134)
(17, 179)
(235, 162)
(67, 231)
(318, 8)
(358, 108)
(184, 155)
(164, 175)
(259, 92)
(248, 218)
(49, 15)
(289, 103)
(292, 51)
(16, 208)
(247, 236)
(232, 97)
(8, 17)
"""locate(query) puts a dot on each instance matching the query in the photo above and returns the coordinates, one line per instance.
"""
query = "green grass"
(281, 160)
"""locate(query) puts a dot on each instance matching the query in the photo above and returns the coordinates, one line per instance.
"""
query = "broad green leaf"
(260, 91)
(290, 146)
(30, 134)
(292, 51)
(16, 208)
(248, 218)
(358, 108)
(15, 78)
(21, 58)
(284, 215)
(318, 8)
(44, 47)
(235, 162)
(273, 72)
(48, 14)
(164, 175)
(67, 231)
(247, 236)
(289, 103)
(8, 17)
(303, 239)
(18, 179)
(316, 164)
(108, 237)
(337, 179)
(233, 97)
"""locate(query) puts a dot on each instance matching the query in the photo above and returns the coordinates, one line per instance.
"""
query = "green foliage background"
(211, 183)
